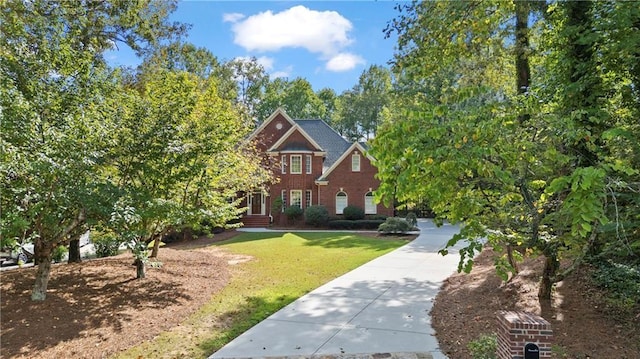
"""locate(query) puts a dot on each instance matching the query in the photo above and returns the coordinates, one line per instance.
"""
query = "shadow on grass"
(242, 318)
(328, 239)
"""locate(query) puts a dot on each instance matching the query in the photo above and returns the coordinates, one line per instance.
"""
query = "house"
(315, 166)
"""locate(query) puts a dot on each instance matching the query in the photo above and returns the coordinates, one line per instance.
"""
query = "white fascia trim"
(278, 111)
(289, 133)
(355, 145)
(321, 182)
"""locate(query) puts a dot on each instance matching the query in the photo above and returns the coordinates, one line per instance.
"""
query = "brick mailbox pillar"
(517, 330)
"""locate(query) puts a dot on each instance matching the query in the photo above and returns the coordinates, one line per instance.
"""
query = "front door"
(256, 203)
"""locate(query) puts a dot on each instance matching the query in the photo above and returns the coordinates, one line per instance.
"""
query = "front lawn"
(270, 271)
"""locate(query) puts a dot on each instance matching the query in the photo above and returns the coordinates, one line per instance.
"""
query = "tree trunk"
(74, 251)
(548, 275)
(156, 247)
(43, 257)
(140, 273)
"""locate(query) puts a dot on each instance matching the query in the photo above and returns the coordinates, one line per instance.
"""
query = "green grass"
(284, 267)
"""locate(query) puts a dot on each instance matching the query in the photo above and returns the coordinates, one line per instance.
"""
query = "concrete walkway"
(381, 307)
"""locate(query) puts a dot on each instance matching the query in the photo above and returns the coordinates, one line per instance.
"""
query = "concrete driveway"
(381, 307)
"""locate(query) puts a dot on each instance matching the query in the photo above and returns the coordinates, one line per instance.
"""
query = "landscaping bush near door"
(293, 213)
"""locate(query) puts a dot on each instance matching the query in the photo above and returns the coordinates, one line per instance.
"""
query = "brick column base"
(516, 329)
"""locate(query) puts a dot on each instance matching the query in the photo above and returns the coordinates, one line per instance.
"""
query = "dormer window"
(355, 162)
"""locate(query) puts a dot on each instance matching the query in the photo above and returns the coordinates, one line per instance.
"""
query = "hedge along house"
(315, 166)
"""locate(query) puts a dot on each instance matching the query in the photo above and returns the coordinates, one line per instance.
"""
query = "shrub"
(316, 216)
(342, 224)
(361, 224)
(293, 213)
(369, 223)
(377, 217)
(394, 225)
(353, 213)
(58, 253)
(622, 283)
(105, 244)
(412, 219)
(484, 347)
(277, 205)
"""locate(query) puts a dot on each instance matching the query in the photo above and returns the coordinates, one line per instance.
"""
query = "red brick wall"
(270, 134)
(354, 184)
(516, 329)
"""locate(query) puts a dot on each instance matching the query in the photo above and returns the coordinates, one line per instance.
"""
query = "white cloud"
(344, 62)
(265, 61)
(286, 72)
(321, 32)
(232, 17)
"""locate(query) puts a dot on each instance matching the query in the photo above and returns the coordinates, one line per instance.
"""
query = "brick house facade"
(315, 165)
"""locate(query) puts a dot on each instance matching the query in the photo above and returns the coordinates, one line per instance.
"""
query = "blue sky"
(329, 43)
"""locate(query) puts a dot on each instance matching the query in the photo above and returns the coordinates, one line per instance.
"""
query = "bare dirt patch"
(97, 308)
(583, 327)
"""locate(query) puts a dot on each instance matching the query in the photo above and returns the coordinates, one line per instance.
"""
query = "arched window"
(369, 205)
(341, 202)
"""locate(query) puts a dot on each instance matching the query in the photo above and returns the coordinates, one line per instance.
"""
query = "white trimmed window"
(355, 162)
(341, 202)
(307, 199)
(296, 198)
(296, 164)
(307, 164)
(283, 194)
(283, 164)
(369, 205)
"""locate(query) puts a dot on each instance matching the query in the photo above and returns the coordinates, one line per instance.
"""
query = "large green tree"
(177, 162)
(502, 123)
(55, 88)
(359, 110)
(296, 97)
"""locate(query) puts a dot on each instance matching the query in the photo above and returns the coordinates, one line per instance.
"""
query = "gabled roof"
(356, 145)
(278, 111)
(291, 131)
(327, 138)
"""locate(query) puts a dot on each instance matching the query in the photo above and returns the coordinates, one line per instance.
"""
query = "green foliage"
(622, 283)
(353, 213)
(59, 253)
(105, 244)
(370, 224)
(548, 165)
(277, 205)
(342, 224)
(359, 110)
(412, 219)
(296, 97)
(293, 213)
(484, 347)
(394, 225)
(316, 216)
(59, 113)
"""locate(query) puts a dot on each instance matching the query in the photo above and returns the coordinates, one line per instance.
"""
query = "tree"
(250, 79)
(55, 88)
(521, 154)
(295, 97)
(329, 100)
(359, 110)
(177, 162)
